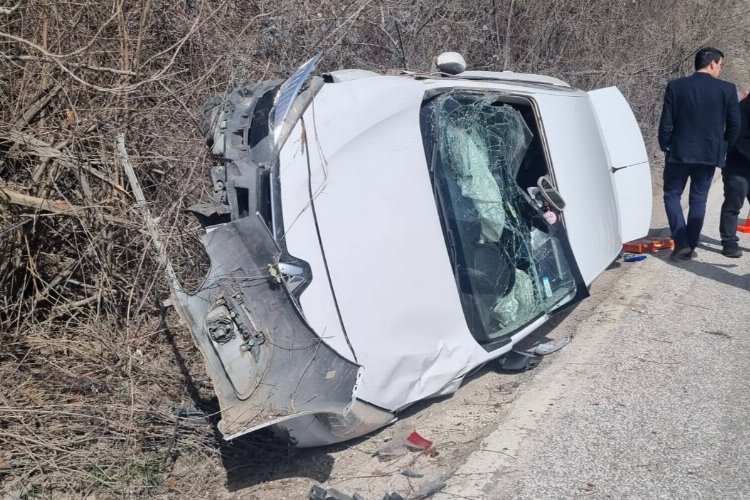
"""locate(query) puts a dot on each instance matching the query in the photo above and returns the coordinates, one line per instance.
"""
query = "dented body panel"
(385, 249)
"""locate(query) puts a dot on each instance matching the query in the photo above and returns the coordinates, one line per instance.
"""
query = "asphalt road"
(650, 400)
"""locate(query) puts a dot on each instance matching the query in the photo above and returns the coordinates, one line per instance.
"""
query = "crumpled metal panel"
(267, 365)
(286, 97)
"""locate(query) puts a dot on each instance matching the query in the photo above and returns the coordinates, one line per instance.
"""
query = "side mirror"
(550, 193)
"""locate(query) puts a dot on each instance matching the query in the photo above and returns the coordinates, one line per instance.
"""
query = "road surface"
(651, 400)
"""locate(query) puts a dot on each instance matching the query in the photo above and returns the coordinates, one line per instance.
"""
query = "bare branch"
(55, 206)
(506, 40)
(9, 10)
(150, 224)
(39, 103)
(114, 71)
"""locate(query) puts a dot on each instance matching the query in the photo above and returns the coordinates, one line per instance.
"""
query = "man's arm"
(732, 129)
(742, 146)
(665, 123)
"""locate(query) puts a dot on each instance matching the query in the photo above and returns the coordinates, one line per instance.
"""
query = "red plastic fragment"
(416, 441)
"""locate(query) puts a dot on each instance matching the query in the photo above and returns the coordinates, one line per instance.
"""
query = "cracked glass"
(506, 247)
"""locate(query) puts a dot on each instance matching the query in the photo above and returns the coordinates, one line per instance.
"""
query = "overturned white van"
(374, 238)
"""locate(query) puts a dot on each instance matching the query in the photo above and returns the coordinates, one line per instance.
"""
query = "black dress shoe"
(679, 253)
(731, 252)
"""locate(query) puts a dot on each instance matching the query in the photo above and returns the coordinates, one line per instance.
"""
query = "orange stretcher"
(644, 245)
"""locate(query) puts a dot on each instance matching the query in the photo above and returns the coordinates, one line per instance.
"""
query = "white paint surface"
(381, 231)
(628, 161)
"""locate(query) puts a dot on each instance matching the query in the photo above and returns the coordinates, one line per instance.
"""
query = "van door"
(628, 161)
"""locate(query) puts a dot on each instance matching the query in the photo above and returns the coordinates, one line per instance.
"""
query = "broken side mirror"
(550, 193)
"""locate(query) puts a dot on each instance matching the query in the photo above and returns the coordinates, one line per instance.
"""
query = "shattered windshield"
(508, 259)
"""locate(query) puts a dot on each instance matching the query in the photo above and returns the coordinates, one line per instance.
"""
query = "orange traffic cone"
(745, 227)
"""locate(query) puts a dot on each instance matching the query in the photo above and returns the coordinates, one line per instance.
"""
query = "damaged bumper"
(266, 363)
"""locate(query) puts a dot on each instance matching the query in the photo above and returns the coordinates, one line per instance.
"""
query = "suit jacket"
(699, 121)
(739, 154)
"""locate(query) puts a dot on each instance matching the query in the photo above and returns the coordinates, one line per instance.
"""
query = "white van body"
(352, 245)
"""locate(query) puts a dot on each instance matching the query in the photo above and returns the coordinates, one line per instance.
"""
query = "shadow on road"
(707, 240)
(658, 232)
(714, 271)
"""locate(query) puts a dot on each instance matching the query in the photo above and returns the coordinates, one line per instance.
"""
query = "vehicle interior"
(506, 244)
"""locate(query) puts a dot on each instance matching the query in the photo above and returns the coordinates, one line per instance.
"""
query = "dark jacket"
(739, 154)
(699, 121)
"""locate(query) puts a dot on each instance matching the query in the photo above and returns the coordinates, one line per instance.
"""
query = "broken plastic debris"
(411, 473)
(320, 493)
(416, 442)
(391, 449)
(517, 361)
(633, 258)
(393, 496)
(334, 494)
(551, 346)
(429, 489)
(317, 493)
(192, 413)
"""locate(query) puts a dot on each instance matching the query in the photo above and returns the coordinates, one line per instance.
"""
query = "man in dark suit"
(736, 176)
(699, 121)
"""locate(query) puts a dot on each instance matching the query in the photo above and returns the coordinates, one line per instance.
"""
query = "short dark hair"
(705, 55)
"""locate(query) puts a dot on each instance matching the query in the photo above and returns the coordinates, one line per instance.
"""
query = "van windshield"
(508, 259)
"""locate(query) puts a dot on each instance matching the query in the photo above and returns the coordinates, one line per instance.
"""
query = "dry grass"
(93, 376)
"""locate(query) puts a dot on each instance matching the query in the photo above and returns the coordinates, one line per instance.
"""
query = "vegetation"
(96, 372)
